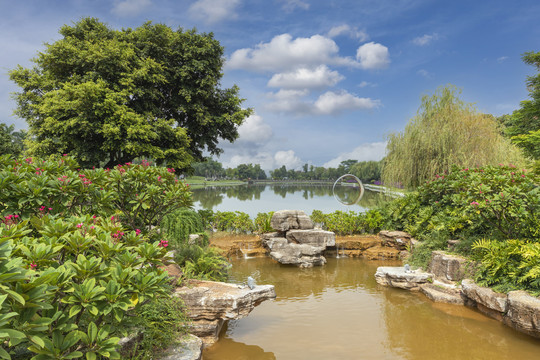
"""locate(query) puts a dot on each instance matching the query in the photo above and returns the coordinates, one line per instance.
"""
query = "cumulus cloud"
(333, 103)
(365, 152)
(291, 5)
(212, 11)
(364, 84)
(130, 7)
(285, 53)
(425, 39)
(287, 158)
(254, 130)
(348, 30)
(329, 103)
(373, 56)
(305, 78)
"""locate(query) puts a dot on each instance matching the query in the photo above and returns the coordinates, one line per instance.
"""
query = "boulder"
(189, 348)
(523, 313)
(284, 220)
(448, 267)
(400, 278)
(486, 300)
(209, 304)
(312, 237)
(302, 255)
(399, 240)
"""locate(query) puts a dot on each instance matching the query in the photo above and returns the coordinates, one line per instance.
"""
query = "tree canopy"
(446, 131)
(523, 126)
(11, 141)
(108, 96)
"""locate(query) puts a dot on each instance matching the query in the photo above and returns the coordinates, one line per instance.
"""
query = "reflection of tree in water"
(212, 196)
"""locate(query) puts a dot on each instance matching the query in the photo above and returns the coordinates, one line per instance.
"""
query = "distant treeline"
(367, 171)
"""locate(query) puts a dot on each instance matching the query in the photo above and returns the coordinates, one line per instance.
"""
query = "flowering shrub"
(69, 285)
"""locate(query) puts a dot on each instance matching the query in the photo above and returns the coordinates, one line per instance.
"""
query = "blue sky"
(328, 80)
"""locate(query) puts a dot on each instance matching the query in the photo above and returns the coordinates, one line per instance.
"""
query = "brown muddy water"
(339, 312)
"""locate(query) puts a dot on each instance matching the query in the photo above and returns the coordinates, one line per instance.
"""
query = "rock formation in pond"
(209, 304)
(397, 276)
(296, 242)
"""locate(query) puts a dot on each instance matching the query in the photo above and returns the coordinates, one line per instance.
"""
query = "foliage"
(446, 131)
(263, 222)
(523, 126)
(508, 265)
(107, 96)
(11, 142)
(178, 225)
(230, 221)
(367, 171)
(208, 264)
(69, 285)
(348, 223)
(139, 195)
(161, 323)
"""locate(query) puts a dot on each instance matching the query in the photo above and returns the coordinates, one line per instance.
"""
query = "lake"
(253, 199)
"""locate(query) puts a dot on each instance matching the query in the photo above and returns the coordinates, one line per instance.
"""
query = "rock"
(523, 313)
(448, 267)
(284, 220)
(399, 240)
(441, 294)
(189, 348)
(382, 253)
(302, 255)
(397, 277)
(174, 271)
(210, 303)
(194, 239)
(358, 243)
(486, 300)
(312, 237)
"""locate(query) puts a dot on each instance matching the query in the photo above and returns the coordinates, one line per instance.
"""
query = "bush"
(263, 222)
(236, 221)
(208, 264)
(178, 225)
(70, 284)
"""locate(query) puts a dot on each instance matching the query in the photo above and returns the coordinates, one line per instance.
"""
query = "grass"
(199, 180)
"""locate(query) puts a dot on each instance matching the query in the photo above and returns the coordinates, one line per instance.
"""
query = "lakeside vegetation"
(84, 232)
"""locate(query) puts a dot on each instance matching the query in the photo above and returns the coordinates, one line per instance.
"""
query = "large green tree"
(108, 96)
(446, 131)
(523, 126)
(11, 141)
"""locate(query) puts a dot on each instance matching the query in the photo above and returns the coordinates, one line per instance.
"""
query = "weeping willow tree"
(446, 131)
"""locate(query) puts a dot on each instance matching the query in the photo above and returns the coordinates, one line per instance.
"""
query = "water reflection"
(339, 312)
(264, 198)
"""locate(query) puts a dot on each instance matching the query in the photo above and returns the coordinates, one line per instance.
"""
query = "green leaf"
(91, 355)
(37, 340)
(75, 309)
(92, 332)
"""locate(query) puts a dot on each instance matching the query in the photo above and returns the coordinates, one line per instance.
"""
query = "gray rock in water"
(407, 268)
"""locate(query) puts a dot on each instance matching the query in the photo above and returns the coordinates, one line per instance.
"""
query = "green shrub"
(508, 265)
(69, 285)
(178, 225)
(263, 222)
(237, 221)
(208, 264)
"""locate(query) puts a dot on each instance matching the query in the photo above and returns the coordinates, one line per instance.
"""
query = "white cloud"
(285, 53)
(373, 56)
(329, 103)
(502, 59)
(212, 11)
(267, 160)
(130, 7)
(347, 30)
(365, 152)
(424, 73)
(287, 158)
(291, 5)
(305, 78)
(425, 39)
(333, 103)
(254, 130)
(364, 84)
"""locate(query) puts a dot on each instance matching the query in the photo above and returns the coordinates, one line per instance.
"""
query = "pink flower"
(474, 203)
(33, 265)
(92, 227)
(137, 231)
(80, 225)
(164, 243)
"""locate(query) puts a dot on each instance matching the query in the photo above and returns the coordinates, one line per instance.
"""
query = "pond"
(338, 311)
(253, 199)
